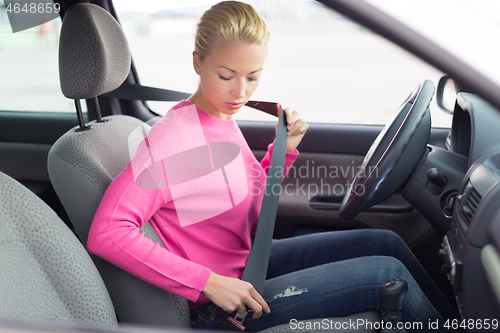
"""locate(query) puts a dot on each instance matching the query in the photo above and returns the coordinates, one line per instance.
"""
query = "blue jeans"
(336, 274)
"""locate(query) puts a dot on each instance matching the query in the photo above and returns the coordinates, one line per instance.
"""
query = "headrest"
(94, 57)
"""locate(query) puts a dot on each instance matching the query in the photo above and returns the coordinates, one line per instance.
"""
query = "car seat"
(46, 274)
(94, 59)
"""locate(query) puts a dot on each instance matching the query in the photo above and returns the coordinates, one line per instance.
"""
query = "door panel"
(315, 174)
(35, 127)
(25, 141)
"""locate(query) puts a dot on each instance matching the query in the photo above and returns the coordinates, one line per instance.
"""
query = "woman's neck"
(201, 102)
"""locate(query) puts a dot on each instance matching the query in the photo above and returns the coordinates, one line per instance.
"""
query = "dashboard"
(457, 189)
(471, 247)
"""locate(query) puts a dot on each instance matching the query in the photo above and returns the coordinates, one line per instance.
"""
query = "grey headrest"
(94, 57)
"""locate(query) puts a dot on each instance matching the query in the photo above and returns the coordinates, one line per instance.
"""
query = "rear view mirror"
(446, 94)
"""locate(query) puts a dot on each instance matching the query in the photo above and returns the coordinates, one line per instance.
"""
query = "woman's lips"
(234, 106)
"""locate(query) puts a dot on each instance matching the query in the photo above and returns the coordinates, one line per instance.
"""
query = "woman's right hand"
(233, 294)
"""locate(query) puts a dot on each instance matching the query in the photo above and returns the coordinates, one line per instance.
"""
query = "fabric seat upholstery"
(46, 274)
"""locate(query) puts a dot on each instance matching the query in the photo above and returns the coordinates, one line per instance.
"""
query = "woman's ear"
(196, 62)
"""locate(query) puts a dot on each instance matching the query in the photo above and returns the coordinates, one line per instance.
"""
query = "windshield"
(468, 29)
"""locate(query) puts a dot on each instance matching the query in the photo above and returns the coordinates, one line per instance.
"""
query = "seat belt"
(256, 268)
(143, 93)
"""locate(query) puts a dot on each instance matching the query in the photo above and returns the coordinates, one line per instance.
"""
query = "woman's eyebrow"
(232, 70)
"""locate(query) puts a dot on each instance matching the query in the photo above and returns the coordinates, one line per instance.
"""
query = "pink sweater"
(196, 181)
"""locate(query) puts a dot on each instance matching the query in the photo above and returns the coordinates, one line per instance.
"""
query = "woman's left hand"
(296, 129)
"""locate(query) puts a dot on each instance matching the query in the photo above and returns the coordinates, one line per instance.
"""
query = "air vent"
(472, 199)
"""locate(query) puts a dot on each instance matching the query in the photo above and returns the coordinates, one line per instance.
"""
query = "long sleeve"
(115, 237)
(289, 160)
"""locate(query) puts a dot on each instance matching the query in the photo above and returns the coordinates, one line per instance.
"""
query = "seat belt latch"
(233, 324)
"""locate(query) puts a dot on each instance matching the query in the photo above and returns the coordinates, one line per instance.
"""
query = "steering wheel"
(394, 154)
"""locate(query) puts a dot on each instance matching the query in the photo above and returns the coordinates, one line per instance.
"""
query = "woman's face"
(229, 75)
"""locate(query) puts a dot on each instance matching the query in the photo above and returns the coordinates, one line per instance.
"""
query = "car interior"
(435, 187)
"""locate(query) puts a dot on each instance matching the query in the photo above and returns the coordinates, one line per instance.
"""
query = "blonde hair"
(233, 21)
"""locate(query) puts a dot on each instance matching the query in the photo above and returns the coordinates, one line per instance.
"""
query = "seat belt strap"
(137, 92)
(256, 268)
(143, 93)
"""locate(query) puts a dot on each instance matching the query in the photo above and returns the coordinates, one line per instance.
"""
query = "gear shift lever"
(393, 294)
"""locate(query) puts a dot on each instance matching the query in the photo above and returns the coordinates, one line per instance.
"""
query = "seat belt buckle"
(233, 324)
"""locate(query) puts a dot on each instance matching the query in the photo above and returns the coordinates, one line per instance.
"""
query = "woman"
(194, 177)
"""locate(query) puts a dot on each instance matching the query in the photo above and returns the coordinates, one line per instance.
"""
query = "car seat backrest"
(45, 272)
(94, 59)
(82, 164)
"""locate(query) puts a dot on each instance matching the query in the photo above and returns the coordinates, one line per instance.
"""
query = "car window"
(330, 69)
(29, 75)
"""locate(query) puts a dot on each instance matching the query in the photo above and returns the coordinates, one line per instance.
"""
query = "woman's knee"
(389, 268)
(388, 235)
(391, 243)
